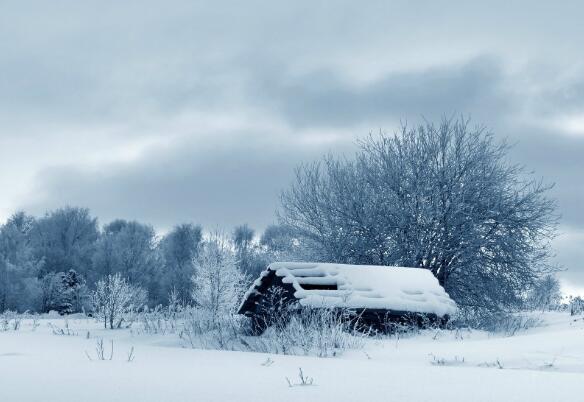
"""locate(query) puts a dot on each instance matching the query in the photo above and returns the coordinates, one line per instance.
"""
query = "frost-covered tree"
(576, 305)
(250, 257)
(443, 198)
(180, 247)
(64, 292)
(282, 243)
(217, 282)
(243, 242)
(20, 288)
(65, 239)
(545, 293)
(129, 248)
(74, 290)
(53, 293)
(114, 297)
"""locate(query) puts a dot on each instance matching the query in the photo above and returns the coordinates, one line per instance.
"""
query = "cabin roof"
(357, 286)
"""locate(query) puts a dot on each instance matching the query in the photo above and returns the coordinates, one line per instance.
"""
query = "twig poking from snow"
(304, 380)
(549, 365)
(65, 331)
(131, 355)
(495, 364)
(268, 362)
(441, 361)
(100, 350)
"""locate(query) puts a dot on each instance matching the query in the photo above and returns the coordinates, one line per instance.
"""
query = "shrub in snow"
(100, 352)
(576, 305)
(409, 324)
(318, 332)
(303, 380)
(65, 330)
(322, 332)
(202, 329)
(10, 320)
(545, 294)
(161, 320)
(115, 300)
(500, 322)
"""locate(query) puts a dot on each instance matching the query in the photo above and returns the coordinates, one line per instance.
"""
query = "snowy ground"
(542, 364)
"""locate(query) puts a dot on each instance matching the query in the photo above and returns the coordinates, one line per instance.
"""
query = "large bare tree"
(441, 197)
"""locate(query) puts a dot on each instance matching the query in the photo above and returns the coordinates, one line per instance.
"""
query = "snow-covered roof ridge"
(362, 286)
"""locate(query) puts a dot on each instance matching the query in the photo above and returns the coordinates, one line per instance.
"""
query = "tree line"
(54, 262)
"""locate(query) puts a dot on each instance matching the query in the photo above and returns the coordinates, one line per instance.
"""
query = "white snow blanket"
(542, 364)
(364, 286)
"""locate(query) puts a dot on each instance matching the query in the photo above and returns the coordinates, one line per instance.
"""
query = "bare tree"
(179, 249)
(114, 297)
(129, 248)
(443, 198)
(244, 247)
(282, 243)
(217, 282)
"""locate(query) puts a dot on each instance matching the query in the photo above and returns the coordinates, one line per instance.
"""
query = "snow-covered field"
(541, 364)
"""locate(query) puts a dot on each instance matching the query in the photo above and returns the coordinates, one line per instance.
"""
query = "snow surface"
(542, 364)
(363, 286)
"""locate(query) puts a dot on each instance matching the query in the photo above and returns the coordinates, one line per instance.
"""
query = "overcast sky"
(186, 111)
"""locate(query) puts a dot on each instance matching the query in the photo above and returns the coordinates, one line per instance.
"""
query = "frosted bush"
(160, 320)
(201, 328)
(10, 320)
(576, 305)
(320, 332)
(497, 322)
(116, 301)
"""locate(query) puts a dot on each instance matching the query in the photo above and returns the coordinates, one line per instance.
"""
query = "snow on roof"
(362, 286)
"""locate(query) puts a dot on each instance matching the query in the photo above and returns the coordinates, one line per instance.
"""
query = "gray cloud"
(193, 181)
(199, 112)
(557, 159)
(322, 98)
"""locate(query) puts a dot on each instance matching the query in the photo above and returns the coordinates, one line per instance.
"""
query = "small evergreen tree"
(75, 290)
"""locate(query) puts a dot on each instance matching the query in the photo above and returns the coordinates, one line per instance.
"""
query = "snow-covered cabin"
(376, 293)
